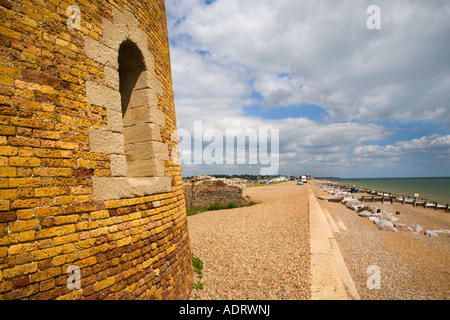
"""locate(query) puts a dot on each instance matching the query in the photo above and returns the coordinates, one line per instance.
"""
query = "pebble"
(418, 229)
(430, 233)
(386, 225)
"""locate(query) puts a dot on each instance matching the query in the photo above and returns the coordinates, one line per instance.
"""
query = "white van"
(304, 180)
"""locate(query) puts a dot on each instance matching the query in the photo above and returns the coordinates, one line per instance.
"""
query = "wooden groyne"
(384, 197)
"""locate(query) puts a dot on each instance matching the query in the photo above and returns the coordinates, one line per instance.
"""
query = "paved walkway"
(330, 277)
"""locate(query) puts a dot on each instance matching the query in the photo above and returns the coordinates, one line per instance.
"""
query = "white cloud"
(303, 144)
(197, 75)
(435, 143)
(232, 54)
(398, 72)
(436, 146)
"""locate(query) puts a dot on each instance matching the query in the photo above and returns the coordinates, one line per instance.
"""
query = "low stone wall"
(201, 191)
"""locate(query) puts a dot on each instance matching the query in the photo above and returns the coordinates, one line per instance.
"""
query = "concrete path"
(330, 277)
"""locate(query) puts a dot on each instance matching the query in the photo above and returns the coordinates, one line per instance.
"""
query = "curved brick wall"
(76, 192)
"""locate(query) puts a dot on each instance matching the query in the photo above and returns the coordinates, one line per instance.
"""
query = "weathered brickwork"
(132, 245)
(201, 191)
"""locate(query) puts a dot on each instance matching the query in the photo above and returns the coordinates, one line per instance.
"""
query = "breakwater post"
(394, 198)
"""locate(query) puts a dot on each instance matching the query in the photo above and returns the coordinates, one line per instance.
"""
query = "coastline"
(411, 265)
(370, 194)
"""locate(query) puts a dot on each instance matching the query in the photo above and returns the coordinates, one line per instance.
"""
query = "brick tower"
(91, 192)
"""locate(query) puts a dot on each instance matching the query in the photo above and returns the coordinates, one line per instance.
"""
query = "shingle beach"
(257, 252)
(263, 251)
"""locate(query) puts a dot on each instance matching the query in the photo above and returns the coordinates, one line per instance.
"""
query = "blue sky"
(347, 101)
(309, 111)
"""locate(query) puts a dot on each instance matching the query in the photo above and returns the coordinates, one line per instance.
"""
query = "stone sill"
(115, 188)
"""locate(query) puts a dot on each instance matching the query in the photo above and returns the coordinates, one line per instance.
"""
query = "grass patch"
(198, 269)
(231, 205)
(216, 205)
(264, 184)
(198, 285)
(198, 265)
(191, 212)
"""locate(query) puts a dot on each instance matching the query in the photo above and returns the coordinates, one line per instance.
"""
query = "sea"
(431, 189)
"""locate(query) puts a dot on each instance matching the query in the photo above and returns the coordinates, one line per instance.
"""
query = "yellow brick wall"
(134, 248)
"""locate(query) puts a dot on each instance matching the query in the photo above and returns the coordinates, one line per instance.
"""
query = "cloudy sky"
(347, 100)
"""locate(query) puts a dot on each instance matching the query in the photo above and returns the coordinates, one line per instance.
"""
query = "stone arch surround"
(135, 133)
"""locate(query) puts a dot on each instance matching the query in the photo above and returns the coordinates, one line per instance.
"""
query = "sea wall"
(91, 191)
(201, 191)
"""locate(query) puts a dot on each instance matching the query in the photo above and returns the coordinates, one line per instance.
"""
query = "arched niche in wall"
(130, 96)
